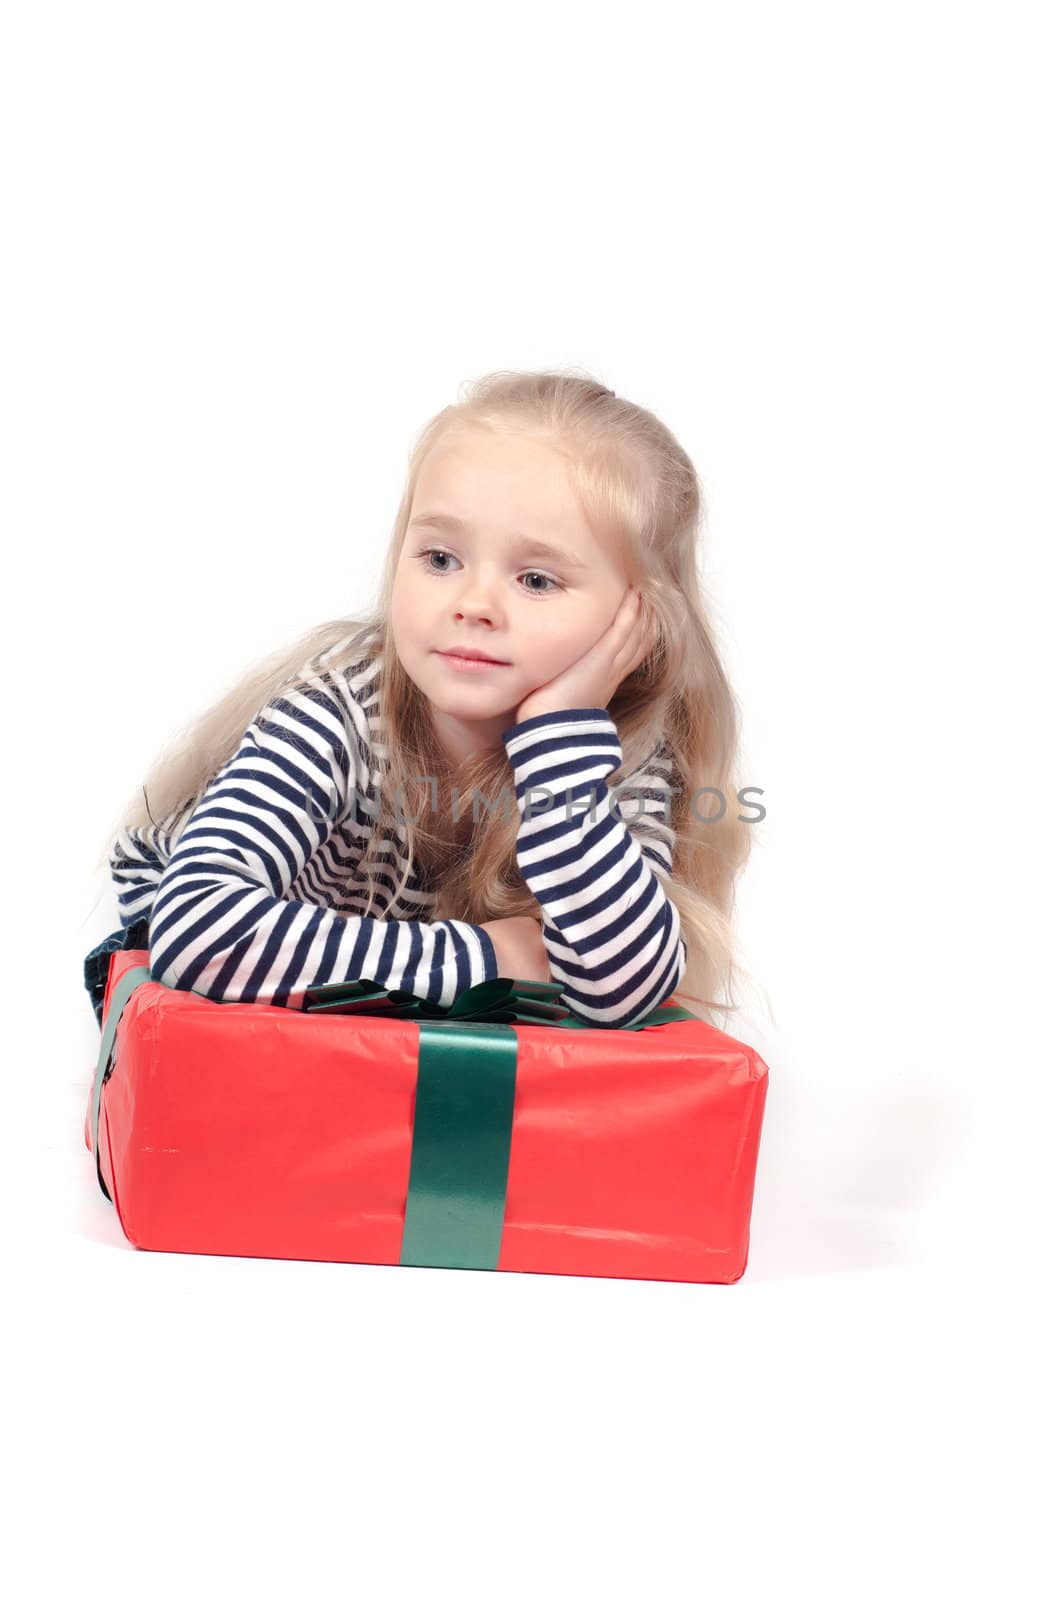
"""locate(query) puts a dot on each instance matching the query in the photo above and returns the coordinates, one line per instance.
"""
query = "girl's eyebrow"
(535, 547)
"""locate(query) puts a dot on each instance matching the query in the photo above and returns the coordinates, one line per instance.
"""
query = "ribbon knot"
(495, 1000)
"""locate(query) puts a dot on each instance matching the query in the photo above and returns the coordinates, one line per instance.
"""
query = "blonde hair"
(635, 482)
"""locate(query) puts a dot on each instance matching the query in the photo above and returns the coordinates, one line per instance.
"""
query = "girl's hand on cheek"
(596, 676)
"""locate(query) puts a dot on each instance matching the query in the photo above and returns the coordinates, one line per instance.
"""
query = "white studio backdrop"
(250, 250)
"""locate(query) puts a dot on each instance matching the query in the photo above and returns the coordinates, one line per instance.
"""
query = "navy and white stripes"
(612, 935)
(264, 893)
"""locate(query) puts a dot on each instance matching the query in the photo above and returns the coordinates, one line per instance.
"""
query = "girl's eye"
(426, 557)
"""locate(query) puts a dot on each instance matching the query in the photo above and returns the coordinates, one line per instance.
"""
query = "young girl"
(494, 772)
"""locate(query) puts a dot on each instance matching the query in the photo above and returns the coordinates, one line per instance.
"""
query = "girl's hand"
(596, 676)
(519, 948)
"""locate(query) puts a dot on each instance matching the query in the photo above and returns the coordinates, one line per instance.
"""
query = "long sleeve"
(612, 935)
(220, 923)
(136, 864)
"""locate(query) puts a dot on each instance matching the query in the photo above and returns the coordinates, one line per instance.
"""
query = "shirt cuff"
(513, 738)
(487, 951)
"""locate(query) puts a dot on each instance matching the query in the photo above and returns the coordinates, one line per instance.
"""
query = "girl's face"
(497, 557)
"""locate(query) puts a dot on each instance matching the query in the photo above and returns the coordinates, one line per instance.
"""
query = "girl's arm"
(219, 923)
(612, 935)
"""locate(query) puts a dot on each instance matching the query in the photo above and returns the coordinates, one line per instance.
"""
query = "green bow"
(496, 1000)
(499, 1000)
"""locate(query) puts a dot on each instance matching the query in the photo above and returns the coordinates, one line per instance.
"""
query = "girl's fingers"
(630, 628)
(635, 651)
(616, 635)
(629, 611)
(643, 639)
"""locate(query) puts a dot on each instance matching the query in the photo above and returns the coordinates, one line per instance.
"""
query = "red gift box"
(256, 1130)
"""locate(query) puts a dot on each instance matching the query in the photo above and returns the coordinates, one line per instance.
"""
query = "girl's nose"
(477, 597)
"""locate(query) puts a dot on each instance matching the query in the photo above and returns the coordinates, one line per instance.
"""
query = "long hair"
(633, 478)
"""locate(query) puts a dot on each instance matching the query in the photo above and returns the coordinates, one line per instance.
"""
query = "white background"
(250, 250)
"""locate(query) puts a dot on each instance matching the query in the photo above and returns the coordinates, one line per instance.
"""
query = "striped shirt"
(263, 892)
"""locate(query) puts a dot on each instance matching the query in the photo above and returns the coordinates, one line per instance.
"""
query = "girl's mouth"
(470, 663)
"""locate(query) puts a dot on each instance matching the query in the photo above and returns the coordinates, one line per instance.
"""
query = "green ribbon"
(105, 1061)
(463, 1109)
(463, 1113)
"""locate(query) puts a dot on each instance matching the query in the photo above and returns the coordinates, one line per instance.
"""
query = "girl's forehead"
(499, 486)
